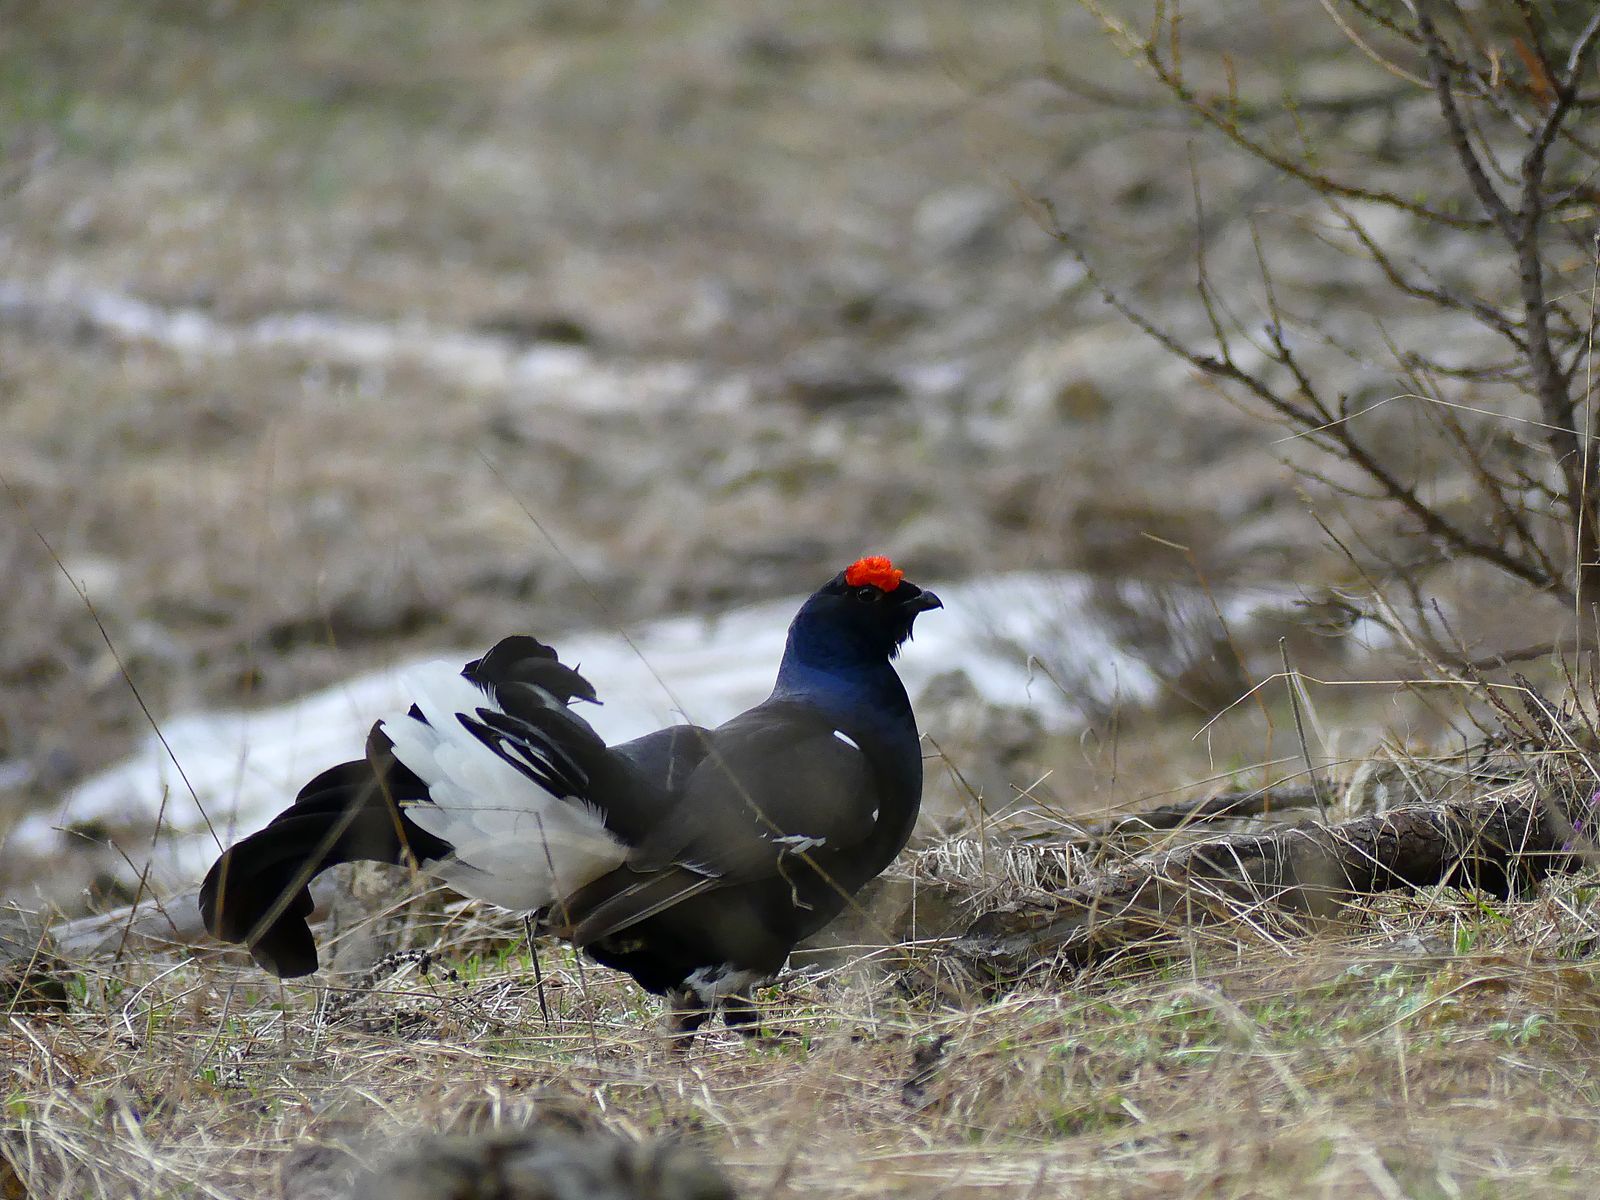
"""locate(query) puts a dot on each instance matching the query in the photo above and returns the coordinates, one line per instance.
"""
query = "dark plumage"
(692, 859)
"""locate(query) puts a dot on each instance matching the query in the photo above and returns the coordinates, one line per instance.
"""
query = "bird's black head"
(863, 614)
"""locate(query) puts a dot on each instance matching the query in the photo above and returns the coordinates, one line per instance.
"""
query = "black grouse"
(692, 859)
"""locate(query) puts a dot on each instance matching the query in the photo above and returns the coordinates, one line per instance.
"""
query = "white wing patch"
(846, 739)
(710, 984)
(516, 844)
(796, 843)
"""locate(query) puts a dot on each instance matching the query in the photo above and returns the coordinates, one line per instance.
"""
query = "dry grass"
(1433, 1045)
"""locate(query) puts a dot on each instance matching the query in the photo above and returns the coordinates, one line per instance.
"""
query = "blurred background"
(332, 334)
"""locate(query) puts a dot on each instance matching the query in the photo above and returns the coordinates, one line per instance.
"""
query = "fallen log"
(1502, 846)
(1224, 806)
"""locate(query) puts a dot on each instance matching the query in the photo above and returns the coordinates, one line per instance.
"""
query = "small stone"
(545, 1164)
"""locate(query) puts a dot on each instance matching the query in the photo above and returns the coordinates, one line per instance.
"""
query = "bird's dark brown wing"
(778, 781)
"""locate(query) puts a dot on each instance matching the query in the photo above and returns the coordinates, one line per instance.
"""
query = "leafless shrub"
(1465, 294)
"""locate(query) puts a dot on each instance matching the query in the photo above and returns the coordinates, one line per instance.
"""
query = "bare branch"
(1170, 75)
(1460, 141)
(1552, 384)
(1484, 313)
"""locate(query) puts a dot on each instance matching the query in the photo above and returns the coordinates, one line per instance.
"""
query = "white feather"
(517, 844)
(710, 984)
(798, 843)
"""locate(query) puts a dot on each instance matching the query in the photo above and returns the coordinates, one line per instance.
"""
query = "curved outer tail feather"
(258, 892)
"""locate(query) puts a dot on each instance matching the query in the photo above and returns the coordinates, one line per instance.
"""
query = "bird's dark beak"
(922, 602)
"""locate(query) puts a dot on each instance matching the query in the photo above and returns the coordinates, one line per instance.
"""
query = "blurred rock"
(559, 328)
(820, 383)
(531, 1164)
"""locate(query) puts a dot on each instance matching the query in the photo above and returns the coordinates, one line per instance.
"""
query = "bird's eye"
(868, 593)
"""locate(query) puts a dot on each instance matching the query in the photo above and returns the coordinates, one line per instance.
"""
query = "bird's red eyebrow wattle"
(876, 570)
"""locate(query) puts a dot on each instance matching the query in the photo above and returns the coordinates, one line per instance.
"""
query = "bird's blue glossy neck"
(855, 687)
(850, 686)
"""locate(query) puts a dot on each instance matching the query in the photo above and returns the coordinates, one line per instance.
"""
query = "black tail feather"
(519, 662)
(257, 893)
